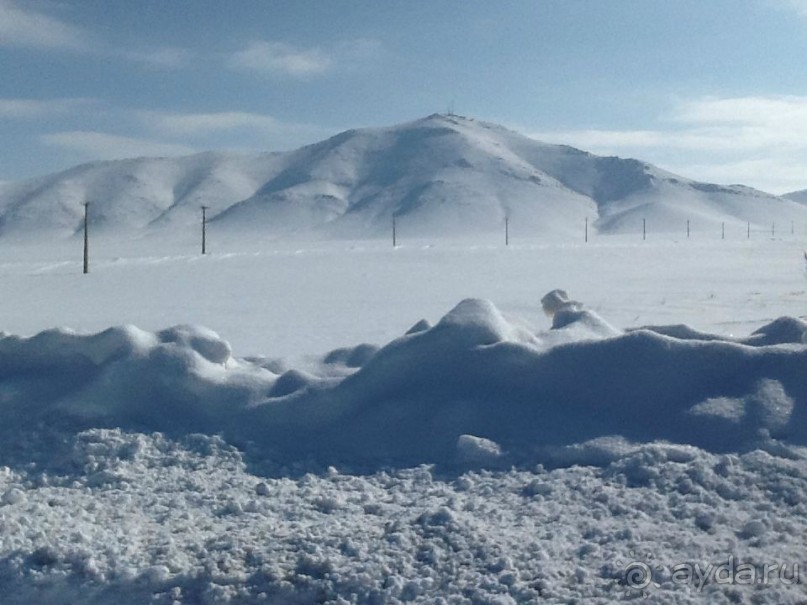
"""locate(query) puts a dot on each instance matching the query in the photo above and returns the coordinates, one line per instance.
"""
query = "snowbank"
(473, 374)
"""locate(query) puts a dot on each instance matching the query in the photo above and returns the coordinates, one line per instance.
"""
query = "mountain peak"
(441, 174)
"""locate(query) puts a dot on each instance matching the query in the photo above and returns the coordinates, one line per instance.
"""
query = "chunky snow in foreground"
(473, 460)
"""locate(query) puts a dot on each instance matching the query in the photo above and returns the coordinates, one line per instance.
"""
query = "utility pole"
(394, 234)
(204, 229)
(86, 239)
(749, 230)
(506, 230)
(644, 229)
(722, 230)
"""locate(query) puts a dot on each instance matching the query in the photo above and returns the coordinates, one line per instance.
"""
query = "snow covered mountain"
(798, 196)
(443, 174)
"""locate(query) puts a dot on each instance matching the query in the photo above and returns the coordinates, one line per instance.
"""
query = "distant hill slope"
(797, 196)
(443, 174)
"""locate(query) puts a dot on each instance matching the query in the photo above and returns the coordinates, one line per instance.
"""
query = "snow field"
(287, 300)
(328, 445)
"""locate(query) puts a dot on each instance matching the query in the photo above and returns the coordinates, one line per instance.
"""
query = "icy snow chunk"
(573, 319)
(753, 529)
(156, 574)
(477, 450)
(13, 496)
(557, 300)
(441, 517)
(537, 487)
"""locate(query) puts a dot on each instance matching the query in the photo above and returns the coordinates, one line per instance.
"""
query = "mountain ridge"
(442, 174)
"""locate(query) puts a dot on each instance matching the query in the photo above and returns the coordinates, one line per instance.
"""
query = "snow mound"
(475, 387)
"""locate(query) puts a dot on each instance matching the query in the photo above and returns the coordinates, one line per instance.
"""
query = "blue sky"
(712, 89)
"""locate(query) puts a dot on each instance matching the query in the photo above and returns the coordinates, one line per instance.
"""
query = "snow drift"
(474, 386)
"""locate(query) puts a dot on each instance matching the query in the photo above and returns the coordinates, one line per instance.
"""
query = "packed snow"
(463, 422)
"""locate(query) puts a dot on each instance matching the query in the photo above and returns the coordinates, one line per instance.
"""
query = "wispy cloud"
(39, 108)
(104, 146)
(23, 27)
(252, 129)
(27, 28)
(760, 141)
(712, 124)
(278, 58)
(797, 6)
(281, 58)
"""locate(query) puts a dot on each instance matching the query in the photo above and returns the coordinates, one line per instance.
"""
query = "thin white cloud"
(252, 130)
(104, 146)
(774, 174)
(280, 58)
(23, 27)
(797, 6)
(40, 108)
(755, 111)
(759, 141)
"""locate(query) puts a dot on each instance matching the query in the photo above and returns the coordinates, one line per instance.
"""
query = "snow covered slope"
(797, 196)
(443, 174)
(132, 195)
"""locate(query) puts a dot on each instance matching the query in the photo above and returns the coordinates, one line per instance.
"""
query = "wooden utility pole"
(86, 239)
(644, 229)
(749, 230)
(722, 230)
(506, 230)
(204, 229)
